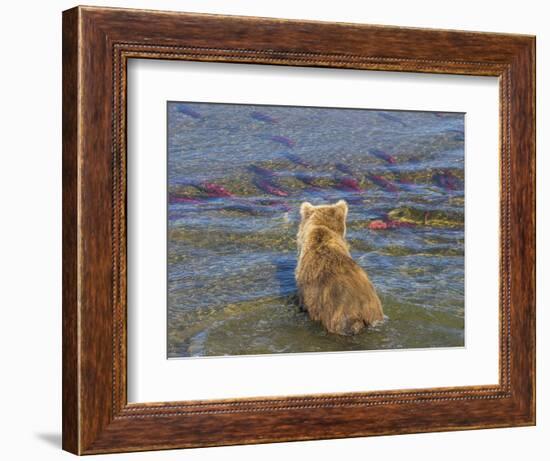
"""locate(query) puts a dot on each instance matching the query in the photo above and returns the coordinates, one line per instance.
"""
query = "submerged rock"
(435, 218)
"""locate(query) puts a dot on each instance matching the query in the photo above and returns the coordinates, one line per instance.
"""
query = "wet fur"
(332, 287)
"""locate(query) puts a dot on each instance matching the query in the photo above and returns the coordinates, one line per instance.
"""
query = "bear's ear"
(306, 209)
(342, 208)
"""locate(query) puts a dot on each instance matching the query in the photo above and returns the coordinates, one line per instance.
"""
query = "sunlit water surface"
(236, 177)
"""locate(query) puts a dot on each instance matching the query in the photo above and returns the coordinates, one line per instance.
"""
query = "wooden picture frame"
(97, 43)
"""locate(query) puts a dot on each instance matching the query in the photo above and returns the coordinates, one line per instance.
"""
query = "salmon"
(349, 184)
(383, 156)
(270, 188)
(382, 182)
(261, 171)
(283, 140)
(185, 110)
(215, 190)
(260, 116)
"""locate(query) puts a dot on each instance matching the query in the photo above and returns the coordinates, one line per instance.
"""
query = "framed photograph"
(281, 230)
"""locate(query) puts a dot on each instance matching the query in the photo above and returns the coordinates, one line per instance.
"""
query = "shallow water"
(237, 175)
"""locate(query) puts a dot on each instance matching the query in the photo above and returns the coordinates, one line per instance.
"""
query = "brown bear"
(332, 287)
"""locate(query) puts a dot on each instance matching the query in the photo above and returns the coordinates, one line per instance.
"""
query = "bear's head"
(331, 216)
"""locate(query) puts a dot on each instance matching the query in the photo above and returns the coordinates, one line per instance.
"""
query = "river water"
(237, 175)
